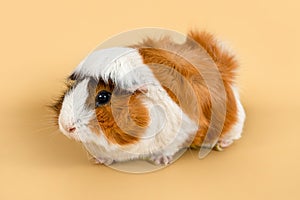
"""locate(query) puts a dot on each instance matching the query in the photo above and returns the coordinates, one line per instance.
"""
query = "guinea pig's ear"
(140, 89)
(143, 89)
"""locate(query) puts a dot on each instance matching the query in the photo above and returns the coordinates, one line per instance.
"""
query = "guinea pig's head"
(106, 97)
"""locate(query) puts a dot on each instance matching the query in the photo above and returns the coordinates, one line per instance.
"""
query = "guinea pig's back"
(184, 70)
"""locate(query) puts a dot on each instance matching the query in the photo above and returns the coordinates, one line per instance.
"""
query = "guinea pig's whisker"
(53, 133)
(49, 128)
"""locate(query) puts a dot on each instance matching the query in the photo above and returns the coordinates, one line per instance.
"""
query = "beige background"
(41, 42)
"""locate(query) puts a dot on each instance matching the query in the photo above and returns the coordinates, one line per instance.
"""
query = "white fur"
(236, 131)
(124, 66)
(169, 128)
(74, 112)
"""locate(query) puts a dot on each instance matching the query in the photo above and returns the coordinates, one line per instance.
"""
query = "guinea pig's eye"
(102, 98)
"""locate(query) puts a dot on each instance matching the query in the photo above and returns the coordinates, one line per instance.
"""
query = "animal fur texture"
(161, 100)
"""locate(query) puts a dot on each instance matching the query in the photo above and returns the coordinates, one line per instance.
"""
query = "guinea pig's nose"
(68, 127)
(71, 129)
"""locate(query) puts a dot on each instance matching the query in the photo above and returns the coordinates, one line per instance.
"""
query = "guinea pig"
(152, 99)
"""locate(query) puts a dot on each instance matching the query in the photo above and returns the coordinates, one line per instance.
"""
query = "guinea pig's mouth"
(73, 136)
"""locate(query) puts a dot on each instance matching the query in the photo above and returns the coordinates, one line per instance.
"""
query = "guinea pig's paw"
(102, 161)
(225, 143)
(222, 144)
(160, 159)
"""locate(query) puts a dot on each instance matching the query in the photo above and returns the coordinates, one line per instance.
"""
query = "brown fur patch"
(123, 120)
(183, 82)
(224, 60)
